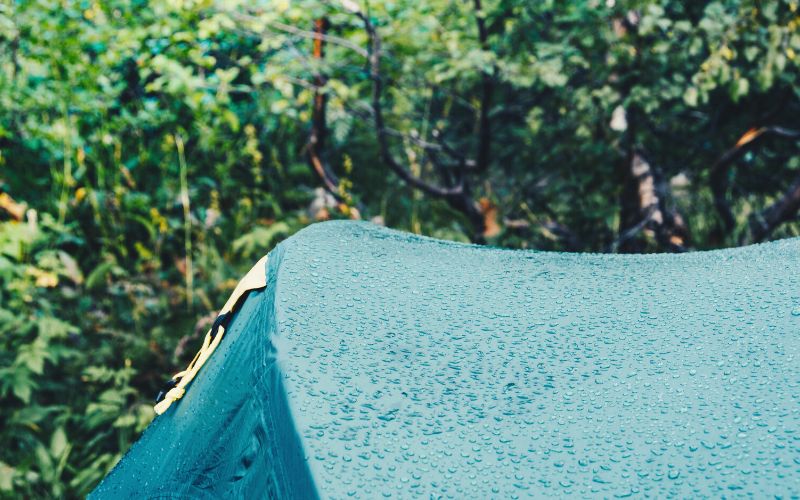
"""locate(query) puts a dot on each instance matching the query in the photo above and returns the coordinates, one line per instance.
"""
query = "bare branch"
(455, 191)
(631, 232)
(645, 203)
(317, 136)
(487, 92)
(430, 147)
(765, 222)
(380, 125)
(718, 177)
(287, 28)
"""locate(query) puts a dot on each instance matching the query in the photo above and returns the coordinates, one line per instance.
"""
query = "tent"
(370, 363)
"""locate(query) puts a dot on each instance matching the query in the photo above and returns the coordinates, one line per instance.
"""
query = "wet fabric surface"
(381, 364)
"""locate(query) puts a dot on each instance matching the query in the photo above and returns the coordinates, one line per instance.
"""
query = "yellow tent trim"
(255, 279)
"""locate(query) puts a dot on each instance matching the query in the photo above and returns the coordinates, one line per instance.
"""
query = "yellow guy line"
(256, 278)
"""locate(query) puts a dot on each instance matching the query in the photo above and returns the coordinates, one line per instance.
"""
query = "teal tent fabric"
(381, 364)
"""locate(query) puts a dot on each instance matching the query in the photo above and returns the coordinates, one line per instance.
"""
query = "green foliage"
(160, 147)
(68, 402)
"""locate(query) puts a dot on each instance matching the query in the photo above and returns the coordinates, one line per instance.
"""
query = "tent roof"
(381, 363)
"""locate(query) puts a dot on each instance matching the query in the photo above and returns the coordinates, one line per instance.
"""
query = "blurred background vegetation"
(152, 150)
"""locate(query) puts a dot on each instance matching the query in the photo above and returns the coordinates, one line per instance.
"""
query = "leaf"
(619, 120)
(749, 136)
(259, 239)
(6, 477)
(126, 420)
(52, 328)
(99, 274)
(44, 461)
(22, 386)
(44, 279)
(70, 269)
(32, 356)
(739, 89)
(58, 442)
(690, 97)
(11, 207)
(490, 214)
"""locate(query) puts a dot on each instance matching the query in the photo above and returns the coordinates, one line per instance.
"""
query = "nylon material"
(417, 367)
(393, 365)
(185, 444)
(292, 479)
(231, 436)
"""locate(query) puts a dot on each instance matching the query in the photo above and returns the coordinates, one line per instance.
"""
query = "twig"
(287, 28)
(632, 231)
(187, 221)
